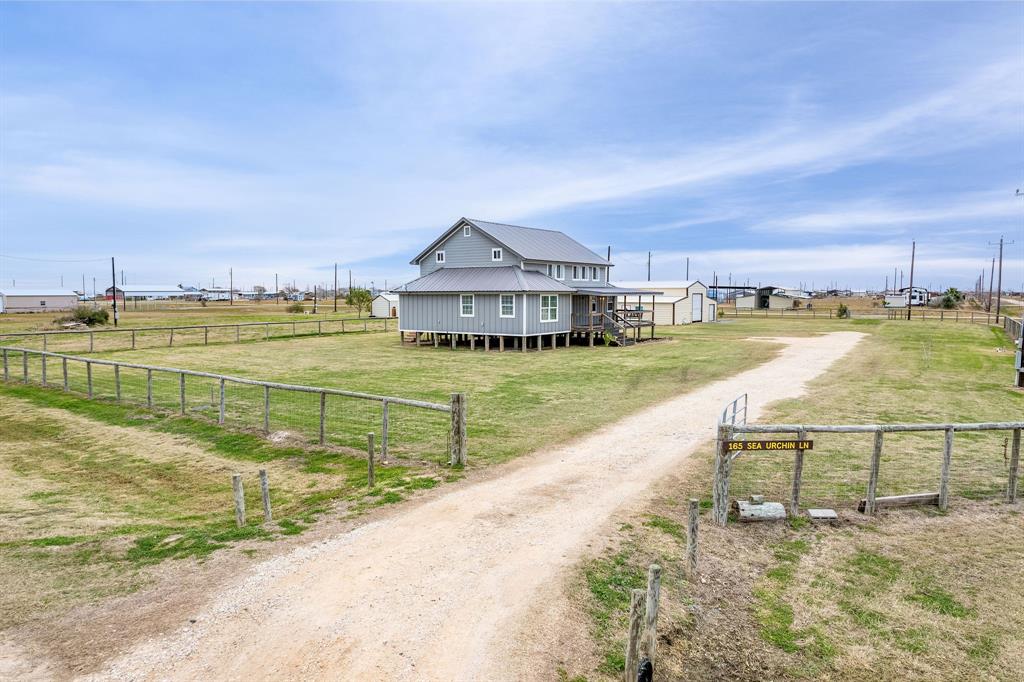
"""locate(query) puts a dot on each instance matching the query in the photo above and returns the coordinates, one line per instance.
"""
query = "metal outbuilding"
(37, 300)
(681, 301)
(384, 304)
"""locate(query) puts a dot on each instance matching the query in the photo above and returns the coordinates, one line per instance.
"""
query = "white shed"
(681, 301)
(384, 305)
(37, 300)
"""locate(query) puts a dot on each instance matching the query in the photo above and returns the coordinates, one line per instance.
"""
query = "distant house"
(215, 294)
(682, 301)
(774, 298)
(491, 282)
(920, 296)
(37, 300)
(149, 292)
(384, 305)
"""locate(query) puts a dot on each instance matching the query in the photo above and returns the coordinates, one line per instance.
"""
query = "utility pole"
(350, 281)
(999, 283)
(335, 287)
(910, 291)
(231, 286)
(687, 268)
(648, 266)
(277, 290)
(113, 278)
(991, 274)
(314, 299)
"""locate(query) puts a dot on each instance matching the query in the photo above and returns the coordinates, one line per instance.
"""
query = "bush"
(295, 307)
(843, 311)
(83, 314)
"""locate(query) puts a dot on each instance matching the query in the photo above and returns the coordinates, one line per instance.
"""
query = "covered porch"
(622, 313)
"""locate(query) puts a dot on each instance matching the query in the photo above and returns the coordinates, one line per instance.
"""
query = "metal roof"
(529, 242)
(387, 296)
(149, 287)
(611, 290)
(38, 292)
(660, 284)
(505, 278)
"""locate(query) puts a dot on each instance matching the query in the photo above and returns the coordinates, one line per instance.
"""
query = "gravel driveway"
(432, 593)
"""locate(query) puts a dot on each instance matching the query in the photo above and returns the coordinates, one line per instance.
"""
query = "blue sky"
(789, 143)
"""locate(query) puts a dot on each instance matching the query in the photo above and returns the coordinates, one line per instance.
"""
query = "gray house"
(495, 284)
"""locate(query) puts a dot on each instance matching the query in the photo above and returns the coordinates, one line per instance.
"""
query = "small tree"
(843, 311)
(360, 299)
(952, 298)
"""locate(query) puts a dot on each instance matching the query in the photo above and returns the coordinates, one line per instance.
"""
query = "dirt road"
(432, 593)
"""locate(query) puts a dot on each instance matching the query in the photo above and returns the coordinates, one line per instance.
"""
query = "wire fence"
(101, 340)
(403, 427)
(852, 466)
(924, 315)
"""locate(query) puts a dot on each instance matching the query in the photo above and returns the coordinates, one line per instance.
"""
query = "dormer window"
(466, 231)
(495, 254)
(576, 272)
(593, 274)
(439, 257)
(559, 272)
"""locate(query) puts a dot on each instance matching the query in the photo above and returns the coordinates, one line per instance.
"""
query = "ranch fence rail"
(850, 466)
(940, 315)
(329, 415)
(131, 338)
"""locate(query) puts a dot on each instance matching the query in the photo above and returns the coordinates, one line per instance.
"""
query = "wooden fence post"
(170, 341)
(265, 494)
(636, 616)
(798, 473)
(90, 342)
(206, 336)
(236, 485)
(650, 638)
(88, 379)
(384, 431)
(117, 382)
(181, 390)
(266, 409)
(371, 473)
(238, 333)
(133, 339)
(149, 388)
(947, 460)
(876, 461)
(323, 417)
(1011, 486)
(42, 359)
(64, 371)
(24, 367)
(7, 370)
(691, 538)
(220, 411)
(267, 335)
(458, 429)
(720, 492)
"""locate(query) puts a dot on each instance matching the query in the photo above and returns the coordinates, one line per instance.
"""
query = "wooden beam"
(901, 501)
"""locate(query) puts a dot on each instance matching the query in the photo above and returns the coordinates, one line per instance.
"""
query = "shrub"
(83, 314)
(295, 307)
(843, 311)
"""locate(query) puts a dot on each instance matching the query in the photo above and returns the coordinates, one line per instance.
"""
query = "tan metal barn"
(37, 300)
(681, 301)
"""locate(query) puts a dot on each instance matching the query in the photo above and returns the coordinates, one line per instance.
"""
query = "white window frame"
(576, 273)
(594, 273)
(559, 271)
(501, 305)
(467, 231)
(547, 308)
(439, 256)
(462, 305)
(496, 250)
(611, 304)
(551, 269)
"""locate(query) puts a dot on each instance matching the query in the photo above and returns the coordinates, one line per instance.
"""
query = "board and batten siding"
(473, 251)
(441, 313)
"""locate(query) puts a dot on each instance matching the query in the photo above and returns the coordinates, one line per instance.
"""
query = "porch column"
(487, 342)
(501, 344)
(472, 341)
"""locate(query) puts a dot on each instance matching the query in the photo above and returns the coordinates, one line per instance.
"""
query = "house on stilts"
(504, 286)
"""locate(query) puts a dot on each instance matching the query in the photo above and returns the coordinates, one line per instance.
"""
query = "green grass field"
(910, 593)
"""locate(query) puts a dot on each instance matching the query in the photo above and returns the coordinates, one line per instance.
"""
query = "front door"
(698, 308)
(712, 311)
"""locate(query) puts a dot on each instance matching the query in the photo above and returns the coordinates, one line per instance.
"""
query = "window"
(593, 274)
(467, 305)
(495, 254)
(576, 272)
(593, 305)
(549, 308)
(559, 274)
(466, 231)
(550, 269)
(508, 305)
(42, 303)
(439, 256)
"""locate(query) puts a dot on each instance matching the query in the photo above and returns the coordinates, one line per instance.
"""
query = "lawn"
(910, 593)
